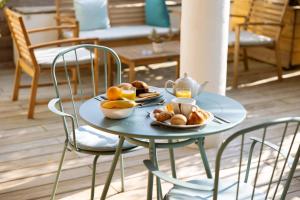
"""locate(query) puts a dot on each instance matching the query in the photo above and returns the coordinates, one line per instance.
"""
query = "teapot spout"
(202, 86)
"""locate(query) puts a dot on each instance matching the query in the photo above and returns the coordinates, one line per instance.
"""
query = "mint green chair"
(79, 136)
(237, 184)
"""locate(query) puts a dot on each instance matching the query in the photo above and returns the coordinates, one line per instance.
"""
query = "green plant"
(155, 37)
(2, 3)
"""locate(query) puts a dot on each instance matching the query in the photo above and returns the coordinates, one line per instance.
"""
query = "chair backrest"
(269, 167)
(20, 36)
(121, 12)
(89, 76)
(267, 11)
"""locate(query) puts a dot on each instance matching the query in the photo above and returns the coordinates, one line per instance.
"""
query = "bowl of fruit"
(115, 107)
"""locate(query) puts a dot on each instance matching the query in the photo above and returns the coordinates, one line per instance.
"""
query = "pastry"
(205, 113)
(157, 111)
(148, 95)
(198, 116)
(163, 116)
(125, 85)
(178, 119)
(141, 87)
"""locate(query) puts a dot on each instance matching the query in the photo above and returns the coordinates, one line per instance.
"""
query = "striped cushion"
(250, 39)
(227, 191)
(121, 32)
(45, 56)
(91, 139)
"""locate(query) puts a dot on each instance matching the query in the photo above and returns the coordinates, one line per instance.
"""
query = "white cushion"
(227, 191)
(91, 139)
(250, 39)
(45, 56)
(122, 32)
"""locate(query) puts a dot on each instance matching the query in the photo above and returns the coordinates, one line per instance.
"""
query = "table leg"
(112, 168)
(172, 160)
(131, 72)
(153, 158)
(204, 157)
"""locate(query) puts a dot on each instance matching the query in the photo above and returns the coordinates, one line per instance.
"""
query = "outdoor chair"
(256, 158)
(37, 58)
(79, 136)
(262, 28)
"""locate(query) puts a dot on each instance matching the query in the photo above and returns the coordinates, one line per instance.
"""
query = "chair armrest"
(238, 16)
(52, 107)
(154, 170)
(64, 41)
(66, 19)
(51, 28)
(260, 24)
(283, 152)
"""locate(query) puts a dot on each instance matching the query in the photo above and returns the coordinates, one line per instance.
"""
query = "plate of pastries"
(144, 92)
(166, 116)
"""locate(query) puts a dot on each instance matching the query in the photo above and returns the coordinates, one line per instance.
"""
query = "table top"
(139, 126)
(145, 51)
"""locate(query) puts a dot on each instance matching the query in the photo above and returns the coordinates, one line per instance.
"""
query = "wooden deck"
(30, 149)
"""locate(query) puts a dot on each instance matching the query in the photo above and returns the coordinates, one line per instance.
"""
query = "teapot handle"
(167, 84)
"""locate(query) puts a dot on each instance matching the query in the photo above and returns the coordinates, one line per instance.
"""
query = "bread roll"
(178, 119)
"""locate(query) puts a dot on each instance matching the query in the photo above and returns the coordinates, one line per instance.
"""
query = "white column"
(204, 43)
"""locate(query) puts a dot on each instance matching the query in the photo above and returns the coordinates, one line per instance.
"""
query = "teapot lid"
(185, 79)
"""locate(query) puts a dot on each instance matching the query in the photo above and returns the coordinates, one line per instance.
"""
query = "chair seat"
(249, 39)
(227, 191)
(91, 139)
(121, 32)
(45, 56)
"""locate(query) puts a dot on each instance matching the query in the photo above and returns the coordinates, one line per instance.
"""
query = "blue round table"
(137, 128)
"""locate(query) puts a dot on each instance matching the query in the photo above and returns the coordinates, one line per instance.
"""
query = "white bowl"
(117, 113)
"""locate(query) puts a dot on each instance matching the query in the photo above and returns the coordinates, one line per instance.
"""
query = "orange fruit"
(113, 93)
(169, 107)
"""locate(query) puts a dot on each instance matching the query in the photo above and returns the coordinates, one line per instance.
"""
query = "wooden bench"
(127, 20)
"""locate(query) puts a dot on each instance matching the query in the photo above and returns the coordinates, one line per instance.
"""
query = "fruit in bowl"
(114, 93)
(117, 109)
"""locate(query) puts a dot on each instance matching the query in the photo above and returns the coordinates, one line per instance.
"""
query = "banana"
(118, 104)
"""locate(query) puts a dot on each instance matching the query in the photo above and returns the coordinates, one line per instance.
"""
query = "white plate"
(168, 124)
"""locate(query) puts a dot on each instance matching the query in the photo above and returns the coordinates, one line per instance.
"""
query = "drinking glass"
(183, 92)
(129, 93)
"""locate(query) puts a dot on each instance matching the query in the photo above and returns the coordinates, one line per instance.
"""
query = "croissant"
(163, 116)
(196, 117)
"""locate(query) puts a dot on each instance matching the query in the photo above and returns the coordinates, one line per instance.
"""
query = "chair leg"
(122, 173)
(18, 74)
(94, 177)
(278, 62)
(245, 59)
(58, 172)
(32, 101)
(236, 59)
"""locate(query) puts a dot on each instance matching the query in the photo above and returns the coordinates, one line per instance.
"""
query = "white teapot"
(185, 83)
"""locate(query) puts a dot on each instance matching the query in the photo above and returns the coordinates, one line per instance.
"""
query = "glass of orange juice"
(183, 92)
(129, 93)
